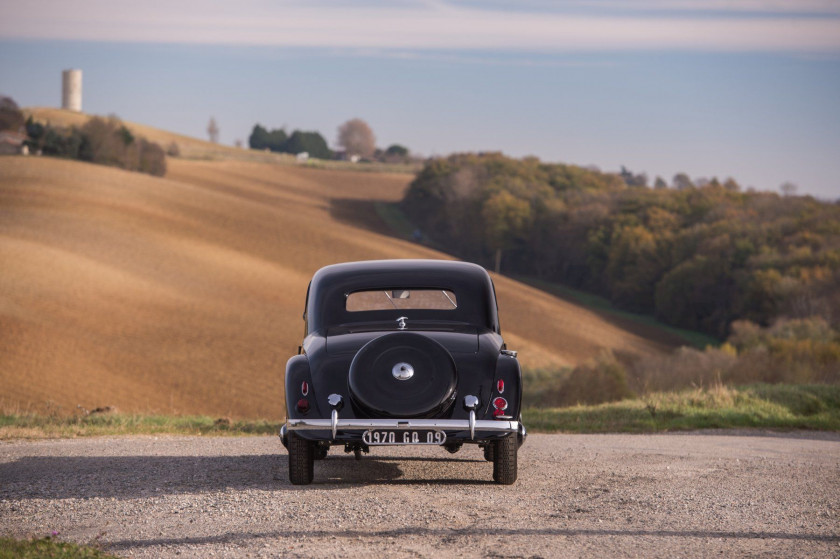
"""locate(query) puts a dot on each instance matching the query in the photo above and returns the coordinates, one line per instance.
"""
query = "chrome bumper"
(336, 425)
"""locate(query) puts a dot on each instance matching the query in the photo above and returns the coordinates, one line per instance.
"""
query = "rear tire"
(504, 460)
(301, 460)
(488, 451)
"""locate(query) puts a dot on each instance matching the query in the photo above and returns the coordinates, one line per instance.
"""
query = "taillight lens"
(303, 405)
(500, 403)
(498, 413)
(500, 386)
(304, 388)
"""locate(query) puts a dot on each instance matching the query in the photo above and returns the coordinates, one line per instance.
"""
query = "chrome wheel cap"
(402, 371)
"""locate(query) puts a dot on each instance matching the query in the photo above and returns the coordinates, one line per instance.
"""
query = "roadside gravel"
(724, 494)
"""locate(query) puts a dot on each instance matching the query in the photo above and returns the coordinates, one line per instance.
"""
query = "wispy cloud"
(813, 7)
(607, 25)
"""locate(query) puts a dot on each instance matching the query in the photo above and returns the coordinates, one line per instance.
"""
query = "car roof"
(331, 284)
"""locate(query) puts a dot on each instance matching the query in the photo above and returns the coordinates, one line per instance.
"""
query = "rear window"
(401, 299)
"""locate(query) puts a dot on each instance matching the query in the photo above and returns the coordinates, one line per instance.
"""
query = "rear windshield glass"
(402, 299)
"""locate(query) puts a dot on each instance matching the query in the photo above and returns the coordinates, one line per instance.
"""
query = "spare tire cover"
(427, 371)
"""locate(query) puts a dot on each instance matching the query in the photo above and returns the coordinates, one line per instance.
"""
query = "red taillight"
(500, 404)
(500, 386)
(304, 388)
(303, 405)
(498, 413)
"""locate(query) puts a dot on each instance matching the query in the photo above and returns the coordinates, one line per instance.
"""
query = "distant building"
(71, 90)
(11, 143)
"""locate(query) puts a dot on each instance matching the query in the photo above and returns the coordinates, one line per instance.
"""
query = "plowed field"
(184, 294)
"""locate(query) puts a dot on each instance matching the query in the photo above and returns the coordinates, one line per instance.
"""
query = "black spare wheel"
(403, 374)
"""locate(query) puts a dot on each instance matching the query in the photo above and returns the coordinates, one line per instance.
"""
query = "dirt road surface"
(673, 495)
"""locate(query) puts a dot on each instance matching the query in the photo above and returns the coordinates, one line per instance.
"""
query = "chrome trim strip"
(472, 424)
(336, 425)
(448, 298)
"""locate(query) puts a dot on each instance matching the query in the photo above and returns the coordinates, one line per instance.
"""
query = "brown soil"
(184, 294)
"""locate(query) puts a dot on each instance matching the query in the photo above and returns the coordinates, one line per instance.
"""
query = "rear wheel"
(504, 460)
(301, 460)
(488, 451)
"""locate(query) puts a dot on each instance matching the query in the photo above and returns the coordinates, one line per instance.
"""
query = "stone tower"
(71, 90)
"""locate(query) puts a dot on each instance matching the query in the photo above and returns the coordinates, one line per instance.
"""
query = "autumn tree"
(505, 219)
(213, 130)
(356, 137)
(10, 116)
(788, 188)
(681, 181)
(633, 180)
(700, 255)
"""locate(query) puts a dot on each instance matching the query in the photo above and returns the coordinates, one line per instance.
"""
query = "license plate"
(384, 437)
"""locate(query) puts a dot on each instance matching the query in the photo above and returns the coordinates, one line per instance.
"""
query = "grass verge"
(48, 547)
(34, 426)
(764, 406)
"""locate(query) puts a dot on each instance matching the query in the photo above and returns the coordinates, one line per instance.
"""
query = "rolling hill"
(184, 294)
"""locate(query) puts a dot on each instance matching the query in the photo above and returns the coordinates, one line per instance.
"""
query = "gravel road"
(702, 494)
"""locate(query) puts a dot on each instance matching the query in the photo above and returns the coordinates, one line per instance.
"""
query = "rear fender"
(508, 370)
(298, 372)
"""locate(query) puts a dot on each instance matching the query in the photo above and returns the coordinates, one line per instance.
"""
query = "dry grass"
(183, 294)
(39, 548)
(761, 406)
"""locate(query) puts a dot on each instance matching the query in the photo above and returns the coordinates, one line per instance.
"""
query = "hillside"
(189, 147)
(194, 148)
(183, 294)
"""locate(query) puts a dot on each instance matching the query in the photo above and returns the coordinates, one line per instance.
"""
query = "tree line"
(700, 256)
(299, 141)
(106, 141)
(355, 137)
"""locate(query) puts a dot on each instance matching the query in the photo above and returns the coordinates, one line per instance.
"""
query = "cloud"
(813, 7)
(434, 25)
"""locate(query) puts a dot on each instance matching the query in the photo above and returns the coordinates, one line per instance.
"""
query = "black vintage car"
(402, 352)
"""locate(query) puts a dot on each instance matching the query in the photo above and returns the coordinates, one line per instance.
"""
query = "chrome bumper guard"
(335, 425)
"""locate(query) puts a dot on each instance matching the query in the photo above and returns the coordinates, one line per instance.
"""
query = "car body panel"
(469, 333)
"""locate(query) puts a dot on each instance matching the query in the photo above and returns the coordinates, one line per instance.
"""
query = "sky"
(748, 89)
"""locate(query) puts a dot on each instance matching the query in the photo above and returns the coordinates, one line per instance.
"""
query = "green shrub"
(102, 141)
(603, 379)
(792, 351)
